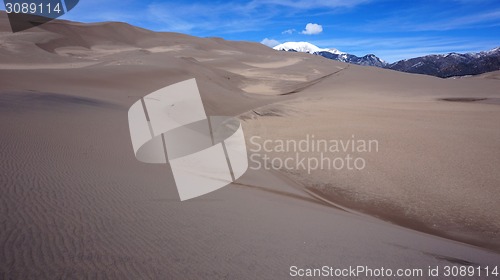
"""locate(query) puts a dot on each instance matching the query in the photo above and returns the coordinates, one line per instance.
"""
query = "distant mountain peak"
(304, 47)
(334, 51)
(494, 50)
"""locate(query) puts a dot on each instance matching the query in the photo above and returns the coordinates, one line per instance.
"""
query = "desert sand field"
(76, 204)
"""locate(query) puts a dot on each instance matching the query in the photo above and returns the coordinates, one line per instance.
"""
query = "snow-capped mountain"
(367, 60)
(305, 47)
(452, 64)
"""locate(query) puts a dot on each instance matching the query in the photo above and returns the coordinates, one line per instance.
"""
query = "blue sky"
(390, 29)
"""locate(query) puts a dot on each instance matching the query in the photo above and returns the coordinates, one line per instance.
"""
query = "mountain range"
(440, 65)
(367, 60)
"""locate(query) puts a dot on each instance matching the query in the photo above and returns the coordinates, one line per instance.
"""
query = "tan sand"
(18, 66)
(437, 160)
(276, 64)
(491, 75)
(76, 203)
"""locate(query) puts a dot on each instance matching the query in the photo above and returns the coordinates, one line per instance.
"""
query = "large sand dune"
(76, 203)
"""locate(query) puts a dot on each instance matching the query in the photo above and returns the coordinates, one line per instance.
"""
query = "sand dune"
(490, 75)
(76, 203)
(276, 64)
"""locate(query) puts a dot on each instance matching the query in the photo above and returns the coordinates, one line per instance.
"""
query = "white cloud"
(270, 42)
(312, 29)
(288, 31)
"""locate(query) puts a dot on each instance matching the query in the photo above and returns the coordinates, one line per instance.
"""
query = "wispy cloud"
(198, 16)
(468, 21)
(224, 18)
(417, 19)
(311, 4)
(231, 17)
